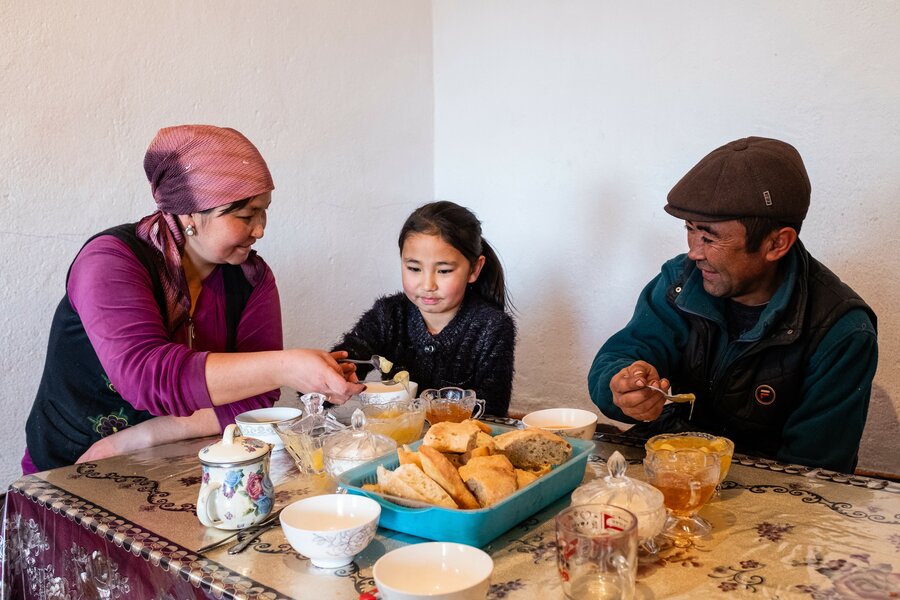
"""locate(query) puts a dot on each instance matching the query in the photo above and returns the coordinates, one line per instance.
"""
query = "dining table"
(126, 527)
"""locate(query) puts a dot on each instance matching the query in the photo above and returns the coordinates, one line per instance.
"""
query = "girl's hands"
(319, 371)
(631, 395)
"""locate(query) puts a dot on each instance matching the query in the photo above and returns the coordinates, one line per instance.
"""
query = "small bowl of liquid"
(570, 422)
(451, 404)
(401, 420)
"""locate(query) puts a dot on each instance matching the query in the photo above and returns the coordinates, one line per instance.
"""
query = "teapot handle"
(203, 504)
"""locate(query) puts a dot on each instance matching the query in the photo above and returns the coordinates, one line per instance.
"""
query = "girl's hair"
(459, 227)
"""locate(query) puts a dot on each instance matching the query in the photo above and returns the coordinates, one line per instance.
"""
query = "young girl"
(449, 326)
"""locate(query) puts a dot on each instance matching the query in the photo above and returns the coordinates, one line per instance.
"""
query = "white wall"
(337, 95)
(564, 125)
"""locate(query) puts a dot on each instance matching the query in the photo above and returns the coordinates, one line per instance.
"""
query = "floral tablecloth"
(126, 528)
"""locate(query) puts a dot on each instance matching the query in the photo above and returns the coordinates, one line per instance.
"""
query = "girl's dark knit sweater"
(474, 351)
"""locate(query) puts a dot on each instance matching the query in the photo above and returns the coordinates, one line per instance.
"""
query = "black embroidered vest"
(76, 405)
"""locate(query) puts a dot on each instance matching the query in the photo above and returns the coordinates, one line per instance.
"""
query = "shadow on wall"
(549, 372)
(879, 452)
(565, 322)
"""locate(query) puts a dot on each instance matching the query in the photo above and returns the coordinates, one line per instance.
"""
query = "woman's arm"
(113, 294)
(156, 431)
(231, 377)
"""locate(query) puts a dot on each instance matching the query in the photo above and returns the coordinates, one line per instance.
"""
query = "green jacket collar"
(695, 300)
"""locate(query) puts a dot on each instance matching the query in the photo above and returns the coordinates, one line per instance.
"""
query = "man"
(778, 351)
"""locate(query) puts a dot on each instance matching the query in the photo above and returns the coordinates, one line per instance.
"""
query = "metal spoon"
(240, 546)
(379, 362)
(677, 398)
(673, 397)
(270, 520)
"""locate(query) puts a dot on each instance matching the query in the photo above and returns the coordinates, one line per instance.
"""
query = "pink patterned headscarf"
(192, 168)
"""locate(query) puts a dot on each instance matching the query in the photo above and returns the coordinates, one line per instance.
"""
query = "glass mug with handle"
(596, 551)
(451, 404)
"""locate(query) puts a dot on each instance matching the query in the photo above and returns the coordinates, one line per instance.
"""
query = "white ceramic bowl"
(377, 392)
(260, 423)
(434, 571)
(330, 529)
(572, 422)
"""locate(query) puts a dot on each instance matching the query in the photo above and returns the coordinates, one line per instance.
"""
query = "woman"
(172, 326)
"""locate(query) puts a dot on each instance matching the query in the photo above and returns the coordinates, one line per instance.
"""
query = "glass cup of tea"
(687, 478)
(451, 404)
(401, 420)
(304, 436)
(596, 551)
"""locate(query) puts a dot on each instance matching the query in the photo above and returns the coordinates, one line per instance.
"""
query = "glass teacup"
(451, 404)
(687, 478)
(697, 440)
(401, 420)
(304, 436)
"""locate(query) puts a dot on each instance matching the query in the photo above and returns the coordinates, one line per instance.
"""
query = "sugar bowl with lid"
(235, 488)
(640, 498)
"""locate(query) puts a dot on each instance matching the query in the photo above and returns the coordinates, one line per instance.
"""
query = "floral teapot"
(235, 489)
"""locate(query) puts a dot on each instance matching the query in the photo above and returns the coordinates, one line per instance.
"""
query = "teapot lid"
(618, 489)
(357, 443)
(233, 449)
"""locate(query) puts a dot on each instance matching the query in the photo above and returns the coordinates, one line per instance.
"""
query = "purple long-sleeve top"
(112, 293)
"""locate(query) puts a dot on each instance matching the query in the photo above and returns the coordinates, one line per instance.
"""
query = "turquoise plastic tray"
(474, 527)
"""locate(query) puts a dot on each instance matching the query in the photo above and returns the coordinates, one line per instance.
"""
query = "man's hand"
(631, 395)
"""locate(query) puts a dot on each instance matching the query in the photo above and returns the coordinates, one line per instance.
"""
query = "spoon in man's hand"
(676, 398)
(673, 397)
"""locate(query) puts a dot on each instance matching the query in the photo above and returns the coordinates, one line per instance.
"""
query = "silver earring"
(189, 230)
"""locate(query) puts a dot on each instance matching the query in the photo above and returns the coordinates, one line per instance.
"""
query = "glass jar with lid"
(355, 446)
(642, 499)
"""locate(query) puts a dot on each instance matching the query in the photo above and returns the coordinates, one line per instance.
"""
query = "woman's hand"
(319, 371)
(153, 432)
(631, 395)
(233, 376)
(103, 448)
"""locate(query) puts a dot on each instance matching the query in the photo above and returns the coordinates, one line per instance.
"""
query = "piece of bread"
(484, 427)
(538, 471)
(533, 447)
(483, 440)
(372, 487)
(447, 436)
(457, 460)
(489, 478)
(408, 481)
(439, 468)
(408, 456)
(523, 478)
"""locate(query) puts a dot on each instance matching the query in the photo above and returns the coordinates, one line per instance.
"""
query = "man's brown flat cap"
(750, 177)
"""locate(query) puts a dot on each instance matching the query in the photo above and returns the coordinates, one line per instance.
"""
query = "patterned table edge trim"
(201, 572)
(871, 483)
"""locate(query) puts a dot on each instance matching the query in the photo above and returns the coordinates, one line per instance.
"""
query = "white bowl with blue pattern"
(330, 529)
(260, 423)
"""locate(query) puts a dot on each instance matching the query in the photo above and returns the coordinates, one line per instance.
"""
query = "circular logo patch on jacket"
(765, 395)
